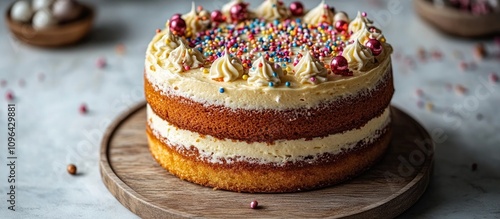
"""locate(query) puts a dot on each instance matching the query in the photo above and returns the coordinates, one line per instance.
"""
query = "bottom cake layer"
(251, 177)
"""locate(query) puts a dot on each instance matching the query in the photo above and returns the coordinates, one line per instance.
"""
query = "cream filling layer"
(282, 151)
(197, 86)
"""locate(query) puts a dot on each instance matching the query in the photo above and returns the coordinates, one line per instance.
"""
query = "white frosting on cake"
(198, 87)
(164, 44)
(310, 70)
(272, 9)
(358, 56)
(359, 23)
(226, 68)
(194, 20)
(184, 56)
(282, 85)
(281, 151)
(364, 35)
(263, 73)
(320, 14)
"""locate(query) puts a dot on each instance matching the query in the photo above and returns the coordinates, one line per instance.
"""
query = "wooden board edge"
(399, 202)
(121, 191)
(134, 201)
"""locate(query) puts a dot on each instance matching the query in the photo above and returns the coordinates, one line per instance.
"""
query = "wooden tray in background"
(57, 36)
(386, 190)
(457, 23)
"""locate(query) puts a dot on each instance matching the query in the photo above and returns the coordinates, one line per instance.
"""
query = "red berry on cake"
(375, 46)
(176, 16)
(217, 16)
(297, 8)
(178, 26)
(239, 12)
(339, 65)
(341, 26)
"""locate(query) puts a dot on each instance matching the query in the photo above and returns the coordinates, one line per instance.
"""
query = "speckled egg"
(43, 19)
(66, 10)
(21, 11)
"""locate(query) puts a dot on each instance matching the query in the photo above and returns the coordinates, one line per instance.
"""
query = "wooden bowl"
(56, 36)
(458, 23)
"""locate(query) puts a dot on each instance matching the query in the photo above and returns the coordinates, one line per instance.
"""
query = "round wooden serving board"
(386, 190)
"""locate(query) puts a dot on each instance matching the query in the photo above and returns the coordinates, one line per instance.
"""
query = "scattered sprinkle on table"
(422, 54)
(83, 108)
(120, 49)
(9, 96)
(460, 89)
(436, 54)
(71, 169)
(101, 63)
(419, 92)
(493, 77)
(480, 51)
(254, 204)
(429, 106)
(463, 65)
(420, 104)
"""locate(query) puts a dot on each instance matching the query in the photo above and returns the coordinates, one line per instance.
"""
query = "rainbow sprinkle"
(276, 41)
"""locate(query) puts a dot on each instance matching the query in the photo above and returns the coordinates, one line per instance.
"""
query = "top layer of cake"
(267, 59)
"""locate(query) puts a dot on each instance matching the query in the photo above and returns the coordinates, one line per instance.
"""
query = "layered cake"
(274, 99)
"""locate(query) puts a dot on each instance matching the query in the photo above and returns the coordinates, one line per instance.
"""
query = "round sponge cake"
(270, 100)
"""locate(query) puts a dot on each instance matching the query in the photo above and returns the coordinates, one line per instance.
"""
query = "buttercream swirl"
(165, 44)
(358, 56)
(272, 10)
(320, 14)
(365, 34)
(194, 23)
(264, 73)
(226, 68)
(310, 70)
(359, 23)
(184, 58)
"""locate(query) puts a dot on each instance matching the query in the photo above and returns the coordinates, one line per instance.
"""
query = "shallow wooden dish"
(57, 36)
(386, 190)
(458, 23)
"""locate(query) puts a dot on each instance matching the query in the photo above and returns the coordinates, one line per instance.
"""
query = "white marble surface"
(52, 133)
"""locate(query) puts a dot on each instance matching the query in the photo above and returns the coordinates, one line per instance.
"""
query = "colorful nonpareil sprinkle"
(276, 41)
